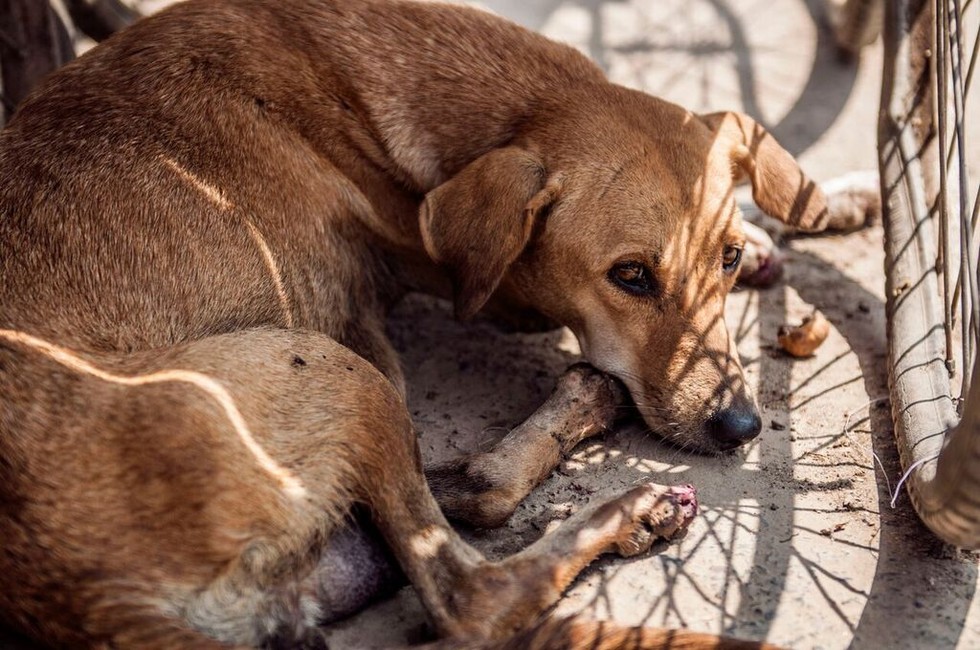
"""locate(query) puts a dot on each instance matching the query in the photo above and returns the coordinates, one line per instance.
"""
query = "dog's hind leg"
(579, 633)
(237, 458)
(469, 597)
(466, 595)
(161, 633)
(484, 489)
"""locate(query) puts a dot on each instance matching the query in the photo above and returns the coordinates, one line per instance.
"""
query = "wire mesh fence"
(932, 255)
(956, 53)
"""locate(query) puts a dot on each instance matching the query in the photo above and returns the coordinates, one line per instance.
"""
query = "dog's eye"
(730, 258)
(632, 277)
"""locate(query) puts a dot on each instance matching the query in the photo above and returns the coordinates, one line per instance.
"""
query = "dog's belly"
(355, 569)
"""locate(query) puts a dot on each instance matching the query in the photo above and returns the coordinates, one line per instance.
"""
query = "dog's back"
(113, 179)
(191, 175)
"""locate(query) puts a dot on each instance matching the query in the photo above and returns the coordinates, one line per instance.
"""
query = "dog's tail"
(584, 634)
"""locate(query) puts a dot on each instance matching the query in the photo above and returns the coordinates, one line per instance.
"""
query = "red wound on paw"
(687, 498)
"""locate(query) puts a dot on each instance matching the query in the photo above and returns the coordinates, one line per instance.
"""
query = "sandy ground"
(797, 543)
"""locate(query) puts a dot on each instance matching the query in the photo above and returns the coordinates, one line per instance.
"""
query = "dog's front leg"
(484, 489)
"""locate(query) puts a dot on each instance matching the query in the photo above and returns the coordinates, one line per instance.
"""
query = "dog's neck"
(423, 103)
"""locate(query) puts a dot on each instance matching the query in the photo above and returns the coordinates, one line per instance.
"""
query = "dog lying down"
(203, 223)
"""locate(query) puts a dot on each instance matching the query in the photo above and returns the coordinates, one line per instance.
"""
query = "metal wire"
(931, 320)
(957, 200)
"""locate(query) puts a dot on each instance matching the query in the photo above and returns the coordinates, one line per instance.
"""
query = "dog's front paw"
(652, 512)
(853, 201)
(762, 261)
(592, 397)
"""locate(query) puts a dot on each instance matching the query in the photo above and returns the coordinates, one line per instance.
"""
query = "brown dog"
(202, 224)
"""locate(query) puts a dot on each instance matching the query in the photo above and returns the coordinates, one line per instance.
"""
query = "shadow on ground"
(772, 548)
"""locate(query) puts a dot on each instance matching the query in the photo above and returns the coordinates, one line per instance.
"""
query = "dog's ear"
(478, 222)
(779, 186)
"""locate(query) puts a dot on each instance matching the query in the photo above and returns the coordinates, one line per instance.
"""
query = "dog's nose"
(735, 426)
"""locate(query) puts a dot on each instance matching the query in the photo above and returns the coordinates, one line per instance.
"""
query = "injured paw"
(651, 512)
(762, 261)
(853, 202)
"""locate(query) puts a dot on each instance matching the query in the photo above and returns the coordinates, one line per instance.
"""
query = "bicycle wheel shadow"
(714, 56)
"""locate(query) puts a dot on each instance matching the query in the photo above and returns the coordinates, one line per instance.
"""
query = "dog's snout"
(735, 426)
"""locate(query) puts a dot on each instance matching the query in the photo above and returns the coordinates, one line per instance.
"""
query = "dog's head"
(622, 225)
